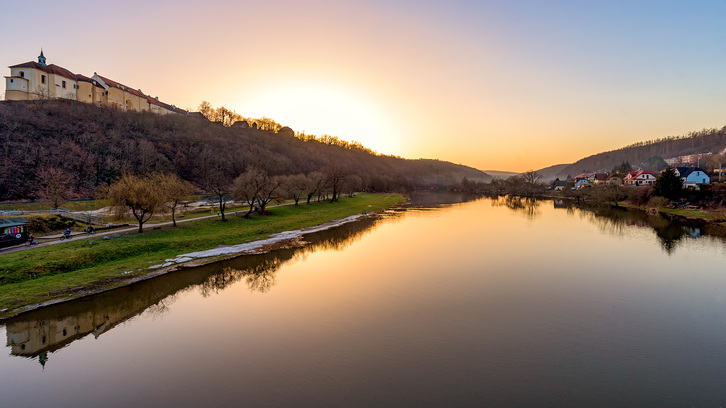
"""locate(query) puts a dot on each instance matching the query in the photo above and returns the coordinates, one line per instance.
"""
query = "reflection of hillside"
(438, 199)
(36, 333)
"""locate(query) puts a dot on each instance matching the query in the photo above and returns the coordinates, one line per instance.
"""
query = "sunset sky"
(506, 85)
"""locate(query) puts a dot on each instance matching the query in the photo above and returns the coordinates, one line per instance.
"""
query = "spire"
(41, 58)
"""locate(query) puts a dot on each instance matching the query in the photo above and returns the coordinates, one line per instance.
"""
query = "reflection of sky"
(450, 80)
(468, 306)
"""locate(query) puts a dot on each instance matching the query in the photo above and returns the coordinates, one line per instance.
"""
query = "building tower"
(41, 58)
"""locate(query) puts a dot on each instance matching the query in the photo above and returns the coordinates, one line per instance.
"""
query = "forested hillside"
(644, 154)
(91, 147)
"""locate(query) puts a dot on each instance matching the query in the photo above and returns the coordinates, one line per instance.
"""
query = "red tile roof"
(83, 78)
(51, 69)
(55, 69)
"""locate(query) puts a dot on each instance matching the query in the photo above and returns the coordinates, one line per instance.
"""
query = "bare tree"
(257, 188)
(138, 194)
(174, 190)
(335, 176)
(246, 188)
(295, 187)
(54, 185)
(316, 184)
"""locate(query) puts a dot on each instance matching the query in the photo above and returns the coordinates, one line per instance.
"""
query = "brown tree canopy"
(138, 194)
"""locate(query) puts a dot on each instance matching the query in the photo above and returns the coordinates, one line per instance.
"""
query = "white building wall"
(69, 92)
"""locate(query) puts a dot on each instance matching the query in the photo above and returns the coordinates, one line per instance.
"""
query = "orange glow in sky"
(506, 85)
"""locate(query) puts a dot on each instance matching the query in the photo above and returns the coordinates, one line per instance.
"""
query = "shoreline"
(280, 240)
(125, 276)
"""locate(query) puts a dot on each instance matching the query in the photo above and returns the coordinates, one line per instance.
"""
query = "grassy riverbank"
(41, 274)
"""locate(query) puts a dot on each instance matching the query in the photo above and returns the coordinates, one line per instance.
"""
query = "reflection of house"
(639, 178)
(13, 231)
(38, 80)
(692, 176)
(30, 338)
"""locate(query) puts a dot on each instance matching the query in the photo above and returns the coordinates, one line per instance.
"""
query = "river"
(488, 302)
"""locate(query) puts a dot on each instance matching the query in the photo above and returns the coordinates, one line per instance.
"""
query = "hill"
(92, 146)
(645, 155)
(500, 174)
(552, 172)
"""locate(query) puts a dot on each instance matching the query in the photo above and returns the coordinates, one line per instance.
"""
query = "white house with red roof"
(639, 178)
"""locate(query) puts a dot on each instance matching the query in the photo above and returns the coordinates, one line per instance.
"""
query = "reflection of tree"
(260, 277)
(260, 271)
(529, 206)
(614, 221)
(37, 333)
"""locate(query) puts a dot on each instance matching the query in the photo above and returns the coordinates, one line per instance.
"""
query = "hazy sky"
(507, 85)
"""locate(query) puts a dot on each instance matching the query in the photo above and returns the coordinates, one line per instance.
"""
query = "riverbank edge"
(94, 288)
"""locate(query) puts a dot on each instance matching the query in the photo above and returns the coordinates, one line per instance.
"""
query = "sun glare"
(322, 108)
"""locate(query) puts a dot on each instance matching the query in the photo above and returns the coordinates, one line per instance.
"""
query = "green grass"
(714, 216)
(85, 205)
(27, 277)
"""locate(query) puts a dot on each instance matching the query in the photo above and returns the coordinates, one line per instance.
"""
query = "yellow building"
(37, 80)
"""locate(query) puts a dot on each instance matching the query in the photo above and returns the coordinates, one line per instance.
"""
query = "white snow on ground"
(250, 247)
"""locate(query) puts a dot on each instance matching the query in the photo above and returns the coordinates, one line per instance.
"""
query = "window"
(11, 80)
(63, 84)
(22, 74)
(42, 79)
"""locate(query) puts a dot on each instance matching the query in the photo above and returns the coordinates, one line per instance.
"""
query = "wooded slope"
(93, 146)
(640, 154)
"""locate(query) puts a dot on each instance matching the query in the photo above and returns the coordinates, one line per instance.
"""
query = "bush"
(44, 223)
(658, 202)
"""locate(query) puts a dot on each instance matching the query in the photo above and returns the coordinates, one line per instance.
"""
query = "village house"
(692, 176)
(38, 80)
(582, 180)
(590, 179)
(559, 185)
(614, 180)
(639, 178)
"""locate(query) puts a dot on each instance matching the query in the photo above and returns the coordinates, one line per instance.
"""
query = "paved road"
(55, 239)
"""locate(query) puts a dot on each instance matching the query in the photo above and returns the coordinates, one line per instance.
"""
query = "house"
(639, 178)
(286, 131)
(241, 124)
(614, 180)
(559, 185)
(13, 231)
(38, 80)
(692, 176)
(583, 180)
(600, 178)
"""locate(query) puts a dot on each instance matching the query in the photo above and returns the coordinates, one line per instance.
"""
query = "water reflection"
(528, 206)
(616, 220)
(37, 333)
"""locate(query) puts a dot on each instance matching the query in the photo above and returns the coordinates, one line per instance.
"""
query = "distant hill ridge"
(638, 154)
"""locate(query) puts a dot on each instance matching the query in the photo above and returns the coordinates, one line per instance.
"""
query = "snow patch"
(251, 247)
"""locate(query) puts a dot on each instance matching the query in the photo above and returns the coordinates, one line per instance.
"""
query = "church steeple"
(41, 58)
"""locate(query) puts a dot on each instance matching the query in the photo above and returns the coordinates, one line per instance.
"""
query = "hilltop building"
(38, 80)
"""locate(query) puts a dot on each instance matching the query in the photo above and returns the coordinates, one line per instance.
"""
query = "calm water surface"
(482, 303)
